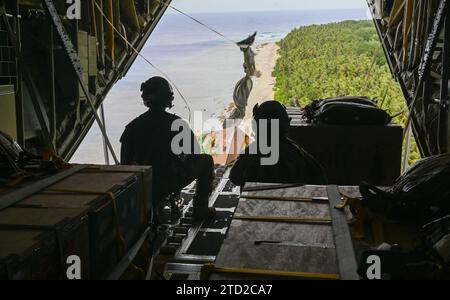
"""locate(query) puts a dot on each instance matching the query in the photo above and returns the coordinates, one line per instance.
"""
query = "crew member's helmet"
(157, 92)
(273, 110)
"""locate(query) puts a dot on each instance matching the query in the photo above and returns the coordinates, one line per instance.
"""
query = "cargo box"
(88, 190)
(351, 154)
(36, 242)
(28, 255)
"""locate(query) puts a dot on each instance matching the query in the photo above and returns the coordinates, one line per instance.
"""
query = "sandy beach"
(263, 86)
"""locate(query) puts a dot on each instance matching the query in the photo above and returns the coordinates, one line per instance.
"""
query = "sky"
(200, 6)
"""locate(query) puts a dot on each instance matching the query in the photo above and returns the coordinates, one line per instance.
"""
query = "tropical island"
(337, 59)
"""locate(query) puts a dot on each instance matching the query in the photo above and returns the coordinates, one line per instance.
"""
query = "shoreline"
(266, 56)
(263, 85)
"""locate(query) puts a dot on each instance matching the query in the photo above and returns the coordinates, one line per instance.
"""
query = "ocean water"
(204, 66)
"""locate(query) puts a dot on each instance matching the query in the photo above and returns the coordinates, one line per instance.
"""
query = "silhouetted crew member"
(294, 165)
(147, 141)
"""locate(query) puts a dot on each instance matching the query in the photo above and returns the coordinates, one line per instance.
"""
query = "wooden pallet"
(275, 244)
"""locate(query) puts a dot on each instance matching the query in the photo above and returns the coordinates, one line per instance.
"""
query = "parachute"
(245, 85)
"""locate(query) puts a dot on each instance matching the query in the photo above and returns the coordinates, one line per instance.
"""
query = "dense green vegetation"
(338, 59)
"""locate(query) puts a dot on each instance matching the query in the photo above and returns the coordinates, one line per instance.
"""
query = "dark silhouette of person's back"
(294, 164)
(151, 138)
(147, 140)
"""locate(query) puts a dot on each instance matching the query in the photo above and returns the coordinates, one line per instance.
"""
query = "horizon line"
(172, 12)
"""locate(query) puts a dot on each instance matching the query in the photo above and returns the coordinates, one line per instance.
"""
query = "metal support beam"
(14, 37)
(342, 237)
(76, 63)
(424, 68)
(39, 109)
(19, 95)
(425, 93)
(34, 94)
(105, 146)
(51, 81)
(443, 130)
(426, 61)
(394, 67)
(407, 149)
